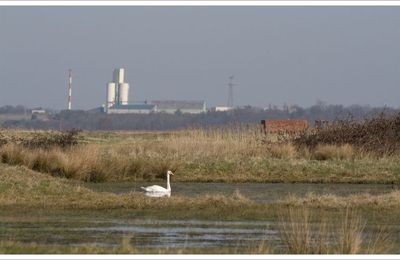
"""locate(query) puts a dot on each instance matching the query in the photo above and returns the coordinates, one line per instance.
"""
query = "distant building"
(38, 110)
(96, 110)
(140, 108)
(221, 109)
(39, 114)
(184, 106)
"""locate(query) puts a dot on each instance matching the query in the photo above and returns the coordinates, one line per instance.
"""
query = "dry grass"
(386, 200)
(214, 155)
(282, 151)
(349, 236)
(141, 157)
(90, 163)
(380, 242)
(303, 236)
(295, 232)
(340, 152)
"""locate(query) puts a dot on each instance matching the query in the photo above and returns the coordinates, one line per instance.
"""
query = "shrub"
(379, 135)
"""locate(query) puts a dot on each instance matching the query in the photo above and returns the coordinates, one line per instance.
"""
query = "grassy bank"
(24, 188)
(236, 155)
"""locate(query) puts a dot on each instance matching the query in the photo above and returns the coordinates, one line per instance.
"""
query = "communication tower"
(230, 91)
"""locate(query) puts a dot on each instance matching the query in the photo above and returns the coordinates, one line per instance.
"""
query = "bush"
(380, 135)
(44, 140)
(64, 139)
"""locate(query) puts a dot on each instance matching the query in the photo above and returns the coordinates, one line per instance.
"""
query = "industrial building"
(221, 109)
(184, 106)
(117, 101)
(132, 109)
(118, 97)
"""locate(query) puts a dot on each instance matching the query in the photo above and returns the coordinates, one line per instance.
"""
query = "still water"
(191, 233)
(140, 233)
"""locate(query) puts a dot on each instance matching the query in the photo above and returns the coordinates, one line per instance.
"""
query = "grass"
(234, 155)
(338, 152)
(21, 187)
(390, 199)
(303, 236)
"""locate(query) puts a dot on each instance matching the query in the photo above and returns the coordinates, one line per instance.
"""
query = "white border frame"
(299, 3)
(198, 3)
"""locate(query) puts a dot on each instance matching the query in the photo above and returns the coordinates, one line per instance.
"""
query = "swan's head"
(169, 173)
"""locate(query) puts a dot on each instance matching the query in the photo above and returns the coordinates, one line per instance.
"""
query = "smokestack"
(69, 88)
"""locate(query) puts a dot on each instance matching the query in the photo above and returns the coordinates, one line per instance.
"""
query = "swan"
(158, 191)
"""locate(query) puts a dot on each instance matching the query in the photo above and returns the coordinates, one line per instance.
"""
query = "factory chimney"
(69, 88)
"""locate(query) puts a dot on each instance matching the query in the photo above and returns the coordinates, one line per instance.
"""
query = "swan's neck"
(168, 185)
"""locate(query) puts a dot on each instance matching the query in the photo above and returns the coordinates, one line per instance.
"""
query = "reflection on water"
(141, 233)
(192, 233)
(158, 194)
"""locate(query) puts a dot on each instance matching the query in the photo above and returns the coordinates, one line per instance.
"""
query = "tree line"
(89, 120)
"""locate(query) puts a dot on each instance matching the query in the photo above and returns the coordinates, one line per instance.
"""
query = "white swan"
(158, 191)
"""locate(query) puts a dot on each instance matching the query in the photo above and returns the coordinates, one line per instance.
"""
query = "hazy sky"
(297, 55)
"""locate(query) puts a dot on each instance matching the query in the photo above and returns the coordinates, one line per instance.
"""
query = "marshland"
(234, 190)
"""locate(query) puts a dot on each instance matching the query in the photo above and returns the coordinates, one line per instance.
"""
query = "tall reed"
(301, 235)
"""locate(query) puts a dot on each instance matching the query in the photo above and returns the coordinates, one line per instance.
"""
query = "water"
(263, 192)
(141, 233)
(191, 233)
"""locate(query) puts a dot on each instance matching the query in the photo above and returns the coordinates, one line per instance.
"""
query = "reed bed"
(303, 233)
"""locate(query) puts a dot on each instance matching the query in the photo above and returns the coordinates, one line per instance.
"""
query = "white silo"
(110, 94)
(123, 93)
(119, 75)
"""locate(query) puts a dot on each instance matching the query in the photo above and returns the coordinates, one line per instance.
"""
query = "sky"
(293, 55)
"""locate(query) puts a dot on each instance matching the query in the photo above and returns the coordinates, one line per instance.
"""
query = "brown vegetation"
(378, 135)
(305, 234)
(387, 200)
(237, 154)
(42, 140)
